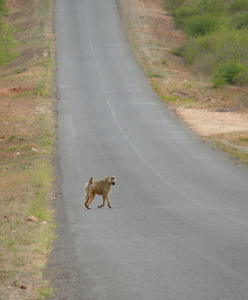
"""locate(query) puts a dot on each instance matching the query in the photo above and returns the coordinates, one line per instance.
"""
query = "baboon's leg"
(108, 202)
(103, 202)
(86, 200)
(91, 198)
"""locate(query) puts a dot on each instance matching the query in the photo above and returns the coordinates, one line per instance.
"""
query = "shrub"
(211, 6)
(242, 77)
(227, 73)
(201, 25)
(180, 52)
(231, 45)
(214, 40)
(197, 47)
(214, 49)
(240, 20)
(239, 6)
(182, 13)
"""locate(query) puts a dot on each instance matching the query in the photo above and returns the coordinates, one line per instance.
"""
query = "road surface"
(179, 227)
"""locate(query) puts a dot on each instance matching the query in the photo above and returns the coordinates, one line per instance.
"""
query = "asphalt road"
(179, 227)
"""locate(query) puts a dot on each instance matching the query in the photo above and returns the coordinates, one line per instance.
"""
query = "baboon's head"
(112, 180)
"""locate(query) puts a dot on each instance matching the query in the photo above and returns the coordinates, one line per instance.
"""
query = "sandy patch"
(209, 122)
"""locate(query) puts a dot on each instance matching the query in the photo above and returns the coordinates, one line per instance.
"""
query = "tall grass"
(217, 38)
(8, 43)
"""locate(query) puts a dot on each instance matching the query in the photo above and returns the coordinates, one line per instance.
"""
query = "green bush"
(182, 13)
(240, 20)
(196, 47)
(206, 52)
(242, 77)
(210, 6)
(231, 45)
(201, 25)
(227, 73)
(217, 37)
(238, 6)
(180, 52)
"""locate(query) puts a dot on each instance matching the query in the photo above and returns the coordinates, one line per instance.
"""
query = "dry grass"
(27, 129)
(233, 143)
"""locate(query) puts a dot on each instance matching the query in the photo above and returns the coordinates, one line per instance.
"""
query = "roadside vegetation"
(27, 130)
(205, 83)
(217, 38)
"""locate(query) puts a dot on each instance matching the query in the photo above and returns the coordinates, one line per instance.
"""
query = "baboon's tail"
(90, 181)
(87, 197)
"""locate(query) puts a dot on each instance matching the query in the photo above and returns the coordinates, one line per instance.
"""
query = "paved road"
(179, 226)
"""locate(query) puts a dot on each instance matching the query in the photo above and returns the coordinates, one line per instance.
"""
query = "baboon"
(99, 187)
